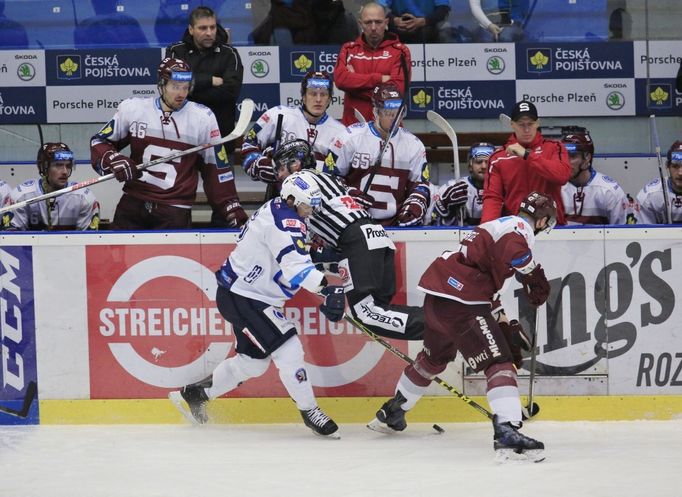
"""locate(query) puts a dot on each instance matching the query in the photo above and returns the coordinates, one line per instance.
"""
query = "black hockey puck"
(438, 429)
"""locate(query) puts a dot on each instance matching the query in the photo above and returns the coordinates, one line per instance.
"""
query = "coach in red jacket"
(528, 162)
(375, 57)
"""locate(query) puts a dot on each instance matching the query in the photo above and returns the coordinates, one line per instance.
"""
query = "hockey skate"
(391, 417)
(196, 399)
(320, 423)
(511, 445)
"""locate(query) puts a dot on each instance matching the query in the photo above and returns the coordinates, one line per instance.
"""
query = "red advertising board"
(153, 325)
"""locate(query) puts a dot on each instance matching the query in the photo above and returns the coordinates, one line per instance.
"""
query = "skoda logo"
(495, 65)
(260, 68)
(615, 100)
(26, 71)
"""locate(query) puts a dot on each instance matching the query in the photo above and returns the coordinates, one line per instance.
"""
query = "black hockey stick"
(409, 360)
(271, 190)
(31, 391)
(532, 408)
(661, 174)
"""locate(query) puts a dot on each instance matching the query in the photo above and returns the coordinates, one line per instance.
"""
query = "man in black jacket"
(216, 66)
(217, 72)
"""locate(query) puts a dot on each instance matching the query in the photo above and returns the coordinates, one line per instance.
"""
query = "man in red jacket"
(375, 57)
(528, 162)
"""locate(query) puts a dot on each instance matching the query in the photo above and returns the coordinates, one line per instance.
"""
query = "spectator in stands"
(161, 196)
(217, 72)
(590, 197)
(528, 162)
(109, 27)
(460, 202)
(652, 200)
(375, 57)
(419, 21)
(308, 22)
(507, 27)
(76, 210)
(12, 34)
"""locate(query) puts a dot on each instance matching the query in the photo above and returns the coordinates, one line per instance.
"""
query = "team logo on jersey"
(456, 284)
(539, 60)
(69, 66)
(660, 96)
(107, 130)
(301, 375)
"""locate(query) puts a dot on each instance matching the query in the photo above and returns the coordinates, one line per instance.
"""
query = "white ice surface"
(619, 459)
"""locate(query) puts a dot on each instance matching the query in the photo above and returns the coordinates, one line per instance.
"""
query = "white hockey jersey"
(295, 126)
(402, 166)
(5, 191)
(141, 123)
(651, 204)
(271, 261)
(76, 210)
(474, 205)
(600, 201)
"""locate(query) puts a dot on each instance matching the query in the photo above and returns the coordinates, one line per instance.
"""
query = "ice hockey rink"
(599, 459)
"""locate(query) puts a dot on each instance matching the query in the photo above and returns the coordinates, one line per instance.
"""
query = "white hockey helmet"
(303, 188)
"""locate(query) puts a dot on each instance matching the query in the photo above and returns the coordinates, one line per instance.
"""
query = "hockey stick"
(661, 174)
(31, 391)
(532, 408)
(359, 116)
(505, 120)
(440, 122)
(409, 360)
(270, 189)
(377, 163)
(239, 129)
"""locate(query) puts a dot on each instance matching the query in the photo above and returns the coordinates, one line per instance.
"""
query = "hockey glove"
(262, 169)
(320, 253)
(364, 200)
(334, 303)
(536, 286)
(235, 215)
(414, 209)
(517, 339)
(452, 199)
(123, 168)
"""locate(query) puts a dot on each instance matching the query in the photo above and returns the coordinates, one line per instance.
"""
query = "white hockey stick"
(444, 125)
(359, 116)
(505, 120)
(239, 130)
(662, 175)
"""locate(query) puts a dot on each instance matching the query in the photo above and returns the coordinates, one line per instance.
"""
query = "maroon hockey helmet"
(317, 79)
(387, 96)
(578, 140)
(175, 70)
(52, 152)
(675, 152)
(292, 151)
(539, 205)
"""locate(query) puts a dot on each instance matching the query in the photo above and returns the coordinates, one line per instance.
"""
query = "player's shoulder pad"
(356, 125)
(28, 184)
(610, 181)
(653, 184)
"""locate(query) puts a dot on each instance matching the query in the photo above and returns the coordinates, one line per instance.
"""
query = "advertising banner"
(463, 62)
(261, 65)
(22, 68)
(454, 99)
(22, 105)
(295, 63)
(153, 325)
(17, 331)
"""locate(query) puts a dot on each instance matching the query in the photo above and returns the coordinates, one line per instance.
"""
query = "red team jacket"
(369, 65)
(509, 179)
(488, 255)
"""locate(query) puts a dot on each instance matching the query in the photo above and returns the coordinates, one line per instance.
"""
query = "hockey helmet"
(52, 152)
(387, 96)
(173, 70)
(675, 152)
(538, 206)
(293, 151)
(577, 139)
(303, 188)
(481, 149)
(317, 79)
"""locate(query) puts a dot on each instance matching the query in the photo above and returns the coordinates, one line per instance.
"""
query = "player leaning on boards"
(76, 210)
(161, 196)
(268, 266)
(463, 315)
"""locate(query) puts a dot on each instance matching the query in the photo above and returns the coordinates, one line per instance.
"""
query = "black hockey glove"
(123, 168)
(536, 286)
(517, 339)
(334, 302)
